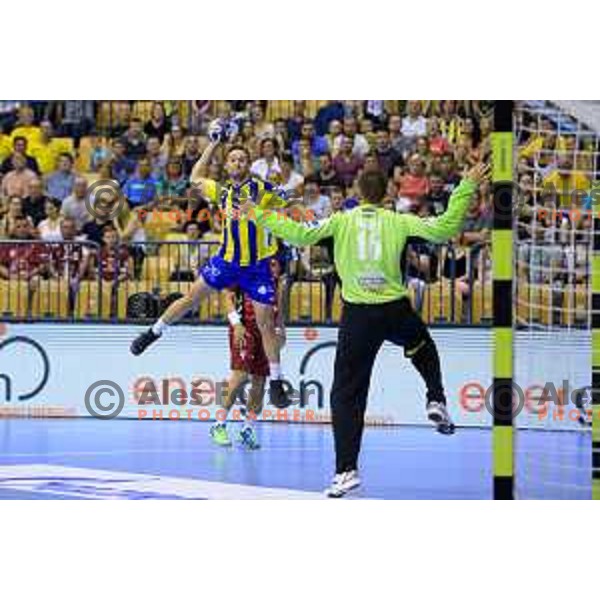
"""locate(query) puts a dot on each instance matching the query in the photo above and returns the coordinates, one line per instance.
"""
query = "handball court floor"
(87, 458)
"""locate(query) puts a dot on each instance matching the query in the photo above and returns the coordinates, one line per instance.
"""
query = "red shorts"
(252, 359)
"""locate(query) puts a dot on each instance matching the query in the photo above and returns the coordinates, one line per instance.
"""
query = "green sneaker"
(219, 435)
(247, 438)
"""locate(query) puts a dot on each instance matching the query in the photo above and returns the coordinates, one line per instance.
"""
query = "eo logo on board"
(24, 386)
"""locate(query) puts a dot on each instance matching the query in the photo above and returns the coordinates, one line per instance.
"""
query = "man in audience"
(318, 144)
(74, 205)
(134, 140)
(387, 157)
(158, 160)
(143, 188)
(121, 165)
(59, 184)
(19, 148)
(414, 125)
(35, 201)
(16, 182)
(327, 175)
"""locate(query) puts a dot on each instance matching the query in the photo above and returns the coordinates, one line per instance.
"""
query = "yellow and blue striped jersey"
(243, 242)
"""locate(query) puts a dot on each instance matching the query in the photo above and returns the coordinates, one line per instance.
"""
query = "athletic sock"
(275, 369)
(427, 362)
(159, 327)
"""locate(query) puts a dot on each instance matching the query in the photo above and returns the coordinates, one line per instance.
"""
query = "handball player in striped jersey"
(243, 259)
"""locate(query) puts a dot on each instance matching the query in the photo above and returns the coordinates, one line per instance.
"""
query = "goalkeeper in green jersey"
(368, 242)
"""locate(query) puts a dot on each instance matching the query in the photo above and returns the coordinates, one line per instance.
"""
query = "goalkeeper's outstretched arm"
(448, 225)
(280, 224)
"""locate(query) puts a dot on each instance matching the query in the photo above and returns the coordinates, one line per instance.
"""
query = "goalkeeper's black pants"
(363, 329)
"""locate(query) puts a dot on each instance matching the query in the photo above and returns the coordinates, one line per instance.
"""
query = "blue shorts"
(254, 280)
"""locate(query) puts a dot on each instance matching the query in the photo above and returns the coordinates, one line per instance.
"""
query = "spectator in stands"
(21, 262)
(47, 150)
(77, 118)
(447, 171)
(436, 200)
(25, 127)
(14, 212)
(438, 144)
(114, 264)
(335, 130)
(316, 143)
(70, 260)
(371, 163)
(339, 202)
(142, 189)
(92, 230)
(414, 124)
(20, 149)
(295, 122)
(327, 176)
(306, 163)
(268, 163)
(74, 205)
(401, 144)
(387, 157)
(99, 154)
(568, 185)
(422, 149)
(332, 111)
(190, 256)
(16, 182)
(158, 160)
(134, 140)
(173, 184)
(346, 163)
(34, 203)
(122, 166)
(50, 229)
(319, 204)
(262, 128)
(8, 114)
(174, 142)
(158, 126)
(60, 183)
(412, 185)
(191, 154)
(130, 227)
(374, 111)
(360, 145)
(281, 135)
(291, 180)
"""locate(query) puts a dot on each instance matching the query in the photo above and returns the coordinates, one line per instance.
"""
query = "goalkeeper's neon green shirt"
(369, 240)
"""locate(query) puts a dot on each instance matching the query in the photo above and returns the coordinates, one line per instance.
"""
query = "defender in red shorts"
(249, 362)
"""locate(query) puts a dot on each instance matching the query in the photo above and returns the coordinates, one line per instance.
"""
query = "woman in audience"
(49, 229)
(13, 211)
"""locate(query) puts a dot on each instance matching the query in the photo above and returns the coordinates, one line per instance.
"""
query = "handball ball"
(216, 130)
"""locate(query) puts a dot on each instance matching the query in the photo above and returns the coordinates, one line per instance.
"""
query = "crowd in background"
(50, 152)
(558, 163)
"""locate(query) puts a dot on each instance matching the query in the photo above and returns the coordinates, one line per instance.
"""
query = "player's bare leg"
(199, 290)
(265, 320)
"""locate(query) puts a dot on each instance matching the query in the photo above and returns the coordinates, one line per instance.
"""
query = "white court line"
(211, 450)
(111, 485)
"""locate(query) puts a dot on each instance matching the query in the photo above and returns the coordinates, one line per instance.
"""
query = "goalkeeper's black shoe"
(142, 342)
(280, 398)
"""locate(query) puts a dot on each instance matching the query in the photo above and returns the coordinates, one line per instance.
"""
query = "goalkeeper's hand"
(215, 131)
